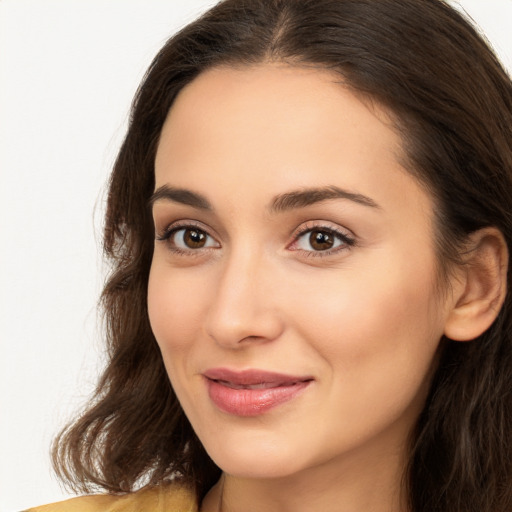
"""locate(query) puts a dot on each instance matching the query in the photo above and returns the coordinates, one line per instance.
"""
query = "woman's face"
(292, 290)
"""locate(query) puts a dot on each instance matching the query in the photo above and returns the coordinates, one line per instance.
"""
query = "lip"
(252, 392)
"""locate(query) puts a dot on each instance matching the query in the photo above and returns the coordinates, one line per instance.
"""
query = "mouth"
(252, 392)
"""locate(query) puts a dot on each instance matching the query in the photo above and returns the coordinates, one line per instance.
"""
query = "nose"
(244, 309)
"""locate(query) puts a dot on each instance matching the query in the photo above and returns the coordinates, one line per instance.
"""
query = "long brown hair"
(452, 102)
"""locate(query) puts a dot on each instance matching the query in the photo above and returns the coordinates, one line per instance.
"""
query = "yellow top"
(170, 498)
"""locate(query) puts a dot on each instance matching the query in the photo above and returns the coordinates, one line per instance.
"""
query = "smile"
(252, 392)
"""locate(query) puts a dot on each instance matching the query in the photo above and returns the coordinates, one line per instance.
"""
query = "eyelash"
(346, 240)
(178, 226)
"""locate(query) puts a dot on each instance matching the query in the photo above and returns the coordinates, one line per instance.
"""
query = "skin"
(364, 319)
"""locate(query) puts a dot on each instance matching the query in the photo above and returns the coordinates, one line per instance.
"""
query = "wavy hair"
(452, 104)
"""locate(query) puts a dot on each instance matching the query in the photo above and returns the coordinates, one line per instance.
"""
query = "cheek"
(379, 327)
(174, 307)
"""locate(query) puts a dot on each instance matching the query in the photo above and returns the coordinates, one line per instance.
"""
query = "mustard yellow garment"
(157, 499)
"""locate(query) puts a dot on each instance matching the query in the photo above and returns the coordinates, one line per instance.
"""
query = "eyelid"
(172, 228)
(347, 238)
(164, 233)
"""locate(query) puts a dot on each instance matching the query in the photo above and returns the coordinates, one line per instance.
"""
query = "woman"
(309, 223)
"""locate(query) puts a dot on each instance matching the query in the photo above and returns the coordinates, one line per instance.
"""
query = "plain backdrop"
(68, 71)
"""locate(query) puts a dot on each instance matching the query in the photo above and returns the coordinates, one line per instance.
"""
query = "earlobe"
(481, 286)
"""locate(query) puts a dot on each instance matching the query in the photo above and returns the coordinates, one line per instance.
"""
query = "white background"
(68, 71)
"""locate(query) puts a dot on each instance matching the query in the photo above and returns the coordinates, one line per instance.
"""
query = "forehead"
(275, 105)
(272, 127)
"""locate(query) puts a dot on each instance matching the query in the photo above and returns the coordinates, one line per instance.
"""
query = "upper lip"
(253, 377)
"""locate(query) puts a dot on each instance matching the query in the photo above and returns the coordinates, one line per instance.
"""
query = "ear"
(480, 287)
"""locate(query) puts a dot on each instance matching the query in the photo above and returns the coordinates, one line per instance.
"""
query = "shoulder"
(168, 498)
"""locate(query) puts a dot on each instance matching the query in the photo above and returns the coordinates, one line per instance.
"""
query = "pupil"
(194, 238)
(321, 240)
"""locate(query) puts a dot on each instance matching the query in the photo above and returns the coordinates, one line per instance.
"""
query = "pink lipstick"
(252, 392)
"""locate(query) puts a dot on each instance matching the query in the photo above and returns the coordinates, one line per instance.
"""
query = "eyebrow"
(309, 196)
(180, 195)
(281, 203)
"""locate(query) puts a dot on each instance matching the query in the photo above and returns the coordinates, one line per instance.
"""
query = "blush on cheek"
(361, 318)
(173, 307)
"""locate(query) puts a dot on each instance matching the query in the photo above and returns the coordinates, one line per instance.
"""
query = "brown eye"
(189, 238)
(194, 239)
(321, 240)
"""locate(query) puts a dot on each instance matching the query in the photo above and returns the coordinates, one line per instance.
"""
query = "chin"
(264, 459)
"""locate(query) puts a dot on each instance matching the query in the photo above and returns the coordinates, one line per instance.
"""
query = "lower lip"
(252, 402)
